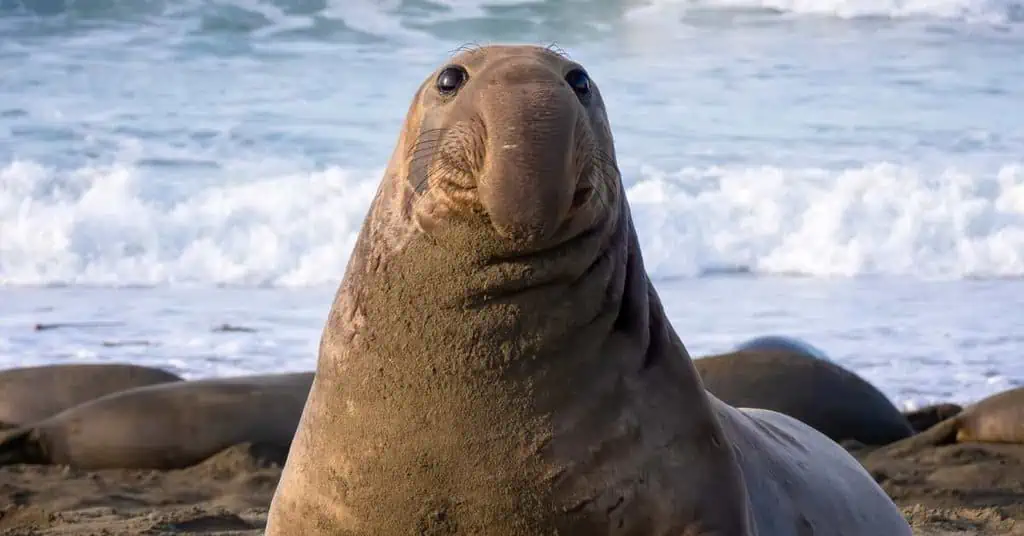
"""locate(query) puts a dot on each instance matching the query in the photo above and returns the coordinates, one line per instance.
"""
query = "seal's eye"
(579, 82)
(451, 79)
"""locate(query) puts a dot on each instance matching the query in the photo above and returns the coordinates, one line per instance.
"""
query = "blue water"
(848, 171)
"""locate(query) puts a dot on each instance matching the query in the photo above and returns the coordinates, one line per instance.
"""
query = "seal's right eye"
(451, 79)
(579, 82)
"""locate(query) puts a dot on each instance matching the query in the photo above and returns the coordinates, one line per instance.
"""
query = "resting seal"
(783, 343)
(928, 416)
(996, 419)
(30, 394)
(831, 399)
(496, 360)
(167, 426)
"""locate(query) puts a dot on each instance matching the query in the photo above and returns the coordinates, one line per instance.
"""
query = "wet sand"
(969, 489)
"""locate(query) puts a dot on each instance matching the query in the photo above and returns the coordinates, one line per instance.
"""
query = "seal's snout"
(531, 117)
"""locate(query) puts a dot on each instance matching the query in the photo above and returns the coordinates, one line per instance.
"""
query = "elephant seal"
(782, 342)
(497, 361)
(30, 394)
(166, 426)
(829, 398)
(996, 419)
(928, 416)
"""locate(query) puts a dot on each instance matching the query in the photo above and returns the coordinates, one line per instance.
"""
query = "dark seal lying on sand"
(30, 394)
(833, 400)
(165, 426)
(498, 362)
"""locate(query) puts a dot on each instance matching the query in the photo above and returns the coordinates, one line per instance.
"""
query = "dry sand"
(960, 489)
(954, 490)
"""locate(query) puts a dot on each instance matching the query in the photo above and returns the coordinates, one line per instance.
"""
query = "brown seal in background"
(166, 426)
(497, 361)
(996, 419)
(831, 399)
(30, 394)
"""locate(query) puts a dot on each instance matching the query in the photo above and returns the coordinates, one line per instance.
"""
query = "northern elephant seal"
(167, 426)
(996, 419)
(496, 360)
(928, 416)
(30, 394)
(831, 399)
(782, 342)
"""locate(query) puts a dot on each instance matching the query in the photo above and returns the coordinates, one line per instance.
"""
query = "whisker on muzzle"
(420, 157)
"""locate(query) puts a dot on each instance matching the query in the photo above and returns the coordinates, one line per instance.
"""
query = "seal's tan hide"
(996, 419)
(30, 394)
(165, 426)
(831, 399)
(497, 362)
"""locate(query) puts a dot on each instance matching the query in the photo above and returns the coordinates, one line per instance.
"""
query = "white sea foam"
(94, 226)
(991, 11)
(972, 11)
(879, 219)
(391, 18)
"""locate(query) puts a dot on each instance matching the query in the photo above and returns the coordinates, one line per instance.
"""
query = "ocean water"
(846, 171)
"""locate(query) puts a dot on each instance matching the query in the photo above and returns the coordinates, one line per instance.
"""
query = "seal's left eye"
(451, 79)
(579, 82)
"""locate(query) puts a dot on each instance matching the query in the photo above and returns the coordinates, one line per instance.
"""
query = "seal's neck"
(518, 386)
(457, 301)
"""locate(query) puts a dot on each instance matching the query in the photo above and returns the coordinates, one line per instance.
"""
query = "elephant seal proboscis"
(496, 360)
(30, 394)
(823, 395)
(166, 426)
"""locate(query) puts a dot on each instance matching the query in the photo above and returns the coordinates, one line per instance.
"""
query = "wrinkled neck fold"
(459, 302)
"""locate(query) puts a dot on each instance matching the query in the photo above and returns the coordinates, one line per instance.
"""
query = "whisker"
(558, 51)
(426, 139)
(420, 156)
(602, 179)
(469, 48)
(421, 150)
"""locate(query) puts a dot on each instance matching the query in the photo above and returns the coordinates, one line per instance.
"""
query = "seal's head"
(516, 134)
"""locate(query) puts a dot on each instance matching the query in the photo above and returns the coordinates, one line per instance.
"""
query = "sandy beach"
(955, 490)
